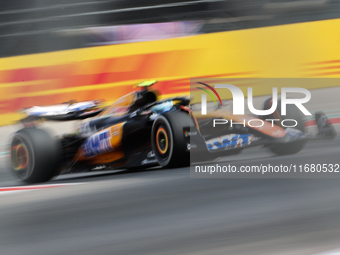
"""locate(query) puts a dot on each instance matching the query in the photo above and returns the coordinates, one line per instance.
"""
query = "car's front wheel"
(168, 141)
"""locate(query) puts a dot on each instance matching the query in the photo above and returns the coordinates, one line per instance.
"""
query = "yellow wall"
(303, 50)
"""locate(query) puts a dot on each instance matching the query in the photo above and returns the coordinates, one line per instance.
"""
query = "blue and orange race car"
(139, 131)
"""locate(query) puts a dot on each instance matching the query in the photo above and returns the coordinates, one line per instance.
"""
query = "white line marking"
(12, 192)
(332, 252)
(296, 4)
(137, 9)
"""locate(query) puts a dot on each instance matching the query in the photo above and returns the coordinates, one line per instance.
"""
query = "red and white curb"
(16, 189)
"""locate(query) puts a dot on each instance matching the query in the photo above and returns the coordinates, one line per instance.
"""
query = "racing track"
(167, 212)
(164, 211)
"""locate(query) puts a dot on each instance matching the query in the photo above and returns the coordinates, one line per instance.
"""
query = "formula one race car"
(139, 131)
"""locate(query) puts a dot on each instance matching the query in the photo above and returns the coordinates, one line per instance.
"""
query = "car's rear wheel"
(34, 155)
(168, 141)
(292, 112)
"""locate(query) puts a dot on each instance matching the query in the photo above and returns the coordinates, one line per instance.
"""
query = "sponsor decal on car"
(148, 161)
(188, 133)
(103, 141)
(151, 154)
(229, 141)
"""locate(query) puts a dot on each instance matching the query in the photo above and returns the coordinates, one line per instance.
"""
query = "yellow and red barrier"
(107, 72)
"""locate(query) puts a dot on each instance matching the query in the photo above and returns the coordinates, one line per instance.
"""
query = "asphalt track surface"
(164, 211)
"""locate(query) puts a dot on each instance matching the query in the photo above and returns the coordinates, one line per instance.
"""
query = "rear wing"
(63, 112)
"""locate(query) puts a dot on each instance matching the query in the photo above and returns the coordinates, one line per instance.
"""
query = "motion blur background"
(34, 26)
(55, 51)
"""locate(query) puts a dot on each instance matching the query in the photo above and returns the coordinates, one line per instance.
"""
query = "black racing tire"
(167, 139)
(292, 112)
(35, 156)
